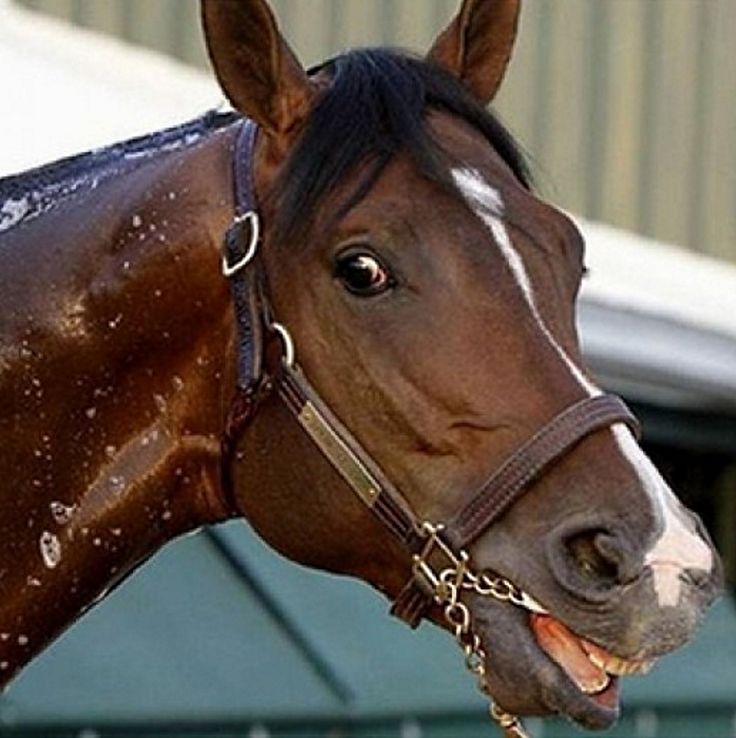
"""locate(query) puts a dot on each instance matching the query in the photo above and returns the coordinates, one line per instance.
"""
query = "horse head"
(430, 297)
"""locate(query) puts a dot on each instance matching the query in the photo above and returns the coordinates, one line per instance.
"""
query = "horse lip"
(556, 693)
(590, 666)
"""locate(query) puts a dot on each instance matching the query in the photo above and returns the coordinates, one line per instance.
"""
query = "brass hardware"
(510, 724)
(429, 579)
(447, 586)
(335, 449)
(287, 342)
(251, 217)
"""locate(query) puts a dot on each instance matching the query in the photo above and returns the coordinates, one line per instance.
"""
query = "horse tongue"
(565, 648)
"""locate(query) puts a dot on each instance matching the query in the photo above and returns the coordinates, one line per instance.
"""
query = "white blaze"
(678, 547)
(488, 205)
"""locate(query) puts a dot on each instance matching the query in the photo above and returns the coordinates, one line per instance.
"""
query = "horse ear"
(255, 67)
(476, 46)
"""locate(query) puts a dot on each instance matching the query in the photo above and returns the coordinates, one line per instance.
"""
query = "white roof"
(630, 271)
(658, 322)
(68, 89)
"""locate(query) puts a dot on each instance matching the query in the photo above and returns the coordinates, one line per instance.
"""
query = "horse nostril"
(698, 578)
(596, 556)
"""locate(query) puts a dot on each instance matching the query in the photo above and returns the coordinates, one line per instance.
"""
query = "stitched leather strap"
(509, 482)
(512, 479)
(524, 466)
(505, 486)
(240, 238)
(348, 457)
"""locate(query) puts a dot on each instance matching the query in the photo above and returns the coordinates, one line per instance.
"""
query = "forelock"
(376, 106)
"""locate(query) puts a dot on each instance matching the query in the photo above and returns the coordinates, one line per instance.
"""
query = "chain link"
(448, 588)
(457, 615)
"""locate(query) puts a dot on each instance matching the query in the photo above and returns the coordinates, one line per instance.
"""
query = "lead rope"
(447, 588)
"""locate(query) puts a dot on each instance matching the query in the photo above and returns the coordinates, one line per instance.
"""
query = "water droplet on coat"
(50, 548)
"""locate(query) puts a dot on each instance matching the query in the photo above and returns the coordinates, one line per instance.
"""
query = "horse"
(398, 394)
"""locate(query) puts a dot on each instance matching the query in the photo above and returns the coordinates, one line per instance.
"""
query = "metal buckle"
(251, 217)
(458, 574)
(286, 341)
(426, 575)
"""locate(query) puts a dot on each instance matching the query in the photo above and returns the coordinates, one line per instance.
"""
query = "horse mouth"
(593, 669)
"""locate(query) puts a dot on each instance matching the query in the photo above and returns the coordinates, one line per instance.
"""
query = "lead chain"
(451, 582)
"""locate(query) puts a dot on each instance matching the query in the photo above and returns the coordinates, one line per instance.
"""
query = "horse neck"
(115, 399)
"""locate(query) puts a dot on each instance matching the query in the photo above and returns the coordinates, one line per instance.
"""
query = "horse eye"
(363, 274)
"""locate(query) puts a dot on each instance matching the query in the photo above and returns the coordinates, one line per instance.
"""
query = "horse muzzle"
(602, 616)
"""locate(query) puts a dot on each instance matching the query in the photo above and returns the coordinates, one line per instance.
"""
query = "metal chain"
(501, 589)
(457, 615)
(448, 587)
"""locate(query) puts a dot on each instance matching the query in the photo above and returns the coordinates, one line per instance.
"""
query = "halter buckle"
(251, 218)
(287, 342)
(435, 579)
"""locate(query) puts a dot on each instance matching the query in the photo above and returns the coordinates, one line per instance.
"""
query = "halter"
(441, 568)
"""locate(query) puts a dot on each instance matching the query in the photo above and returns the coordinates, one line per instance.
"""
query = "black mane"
(375, 107)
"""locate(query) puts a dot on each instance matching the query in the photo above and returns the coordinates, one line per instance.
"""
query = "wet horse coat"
(90, 423)
(119, 347)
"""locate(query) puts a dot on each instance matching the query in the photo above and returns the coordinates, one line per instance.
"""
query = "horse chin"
(536, 666)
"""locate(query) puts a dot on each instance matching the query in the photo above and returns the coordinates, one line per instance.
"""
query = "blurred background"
(627, 109)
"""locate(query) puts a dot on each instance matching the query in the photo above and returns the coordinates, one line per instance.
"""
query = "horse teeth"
(597, 686)
(639, 667)
(620, 667)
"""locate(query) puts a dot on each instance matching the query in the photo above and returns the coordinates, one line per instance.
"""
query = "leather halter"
(348, 457)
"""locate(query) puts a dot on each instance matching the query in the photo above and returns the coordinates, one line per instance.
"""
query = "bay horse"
(398, 395)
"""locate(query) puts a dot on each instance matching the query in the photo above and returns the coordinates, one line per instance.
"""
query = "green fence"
(643, 724)
(248, 645)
